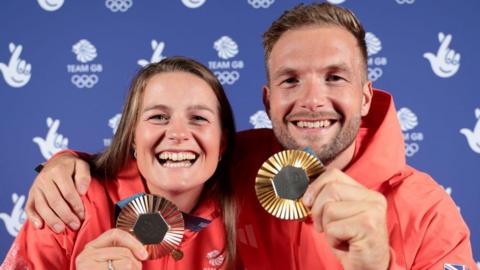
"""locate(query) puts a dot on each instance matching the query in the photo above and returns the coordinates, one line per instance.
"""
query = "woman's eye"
(198, 118)
(159, 117)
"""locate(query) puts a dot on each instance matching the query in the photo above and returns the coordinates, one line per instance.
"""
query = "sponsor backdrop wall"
(66, 66)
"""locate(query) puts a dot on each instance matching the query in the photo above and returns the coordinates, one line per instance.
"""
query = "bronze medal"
(154, 221)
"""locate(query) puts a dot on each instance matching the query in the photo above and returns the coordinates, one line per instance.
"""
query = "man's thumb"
(82, 176)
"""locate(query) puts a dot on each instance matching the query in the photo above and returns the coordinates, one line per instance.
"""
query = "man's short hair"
(323, 14)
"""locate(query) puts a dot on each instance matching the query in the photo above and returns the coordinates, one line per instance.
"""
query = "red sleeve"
(38, 249)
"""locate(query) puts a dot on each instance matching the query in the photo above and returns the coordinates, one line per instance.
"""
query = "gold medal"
(154, 221)
(283, 179)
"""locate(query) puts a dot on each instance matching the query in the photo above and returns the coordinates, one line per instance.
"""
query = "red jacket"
(425, 228)
(44, 249)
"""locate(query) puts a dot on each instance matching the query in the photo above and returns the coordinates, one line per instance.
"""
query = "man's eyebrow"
(283, 71)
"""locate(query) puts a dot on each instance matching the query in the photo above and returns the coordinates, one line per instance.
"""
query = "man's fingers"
(47, 214)
(70, 194)
(82, 176)
(119, 238)
(58, 204)
(335, 211)
(325, 179)
(32, 213)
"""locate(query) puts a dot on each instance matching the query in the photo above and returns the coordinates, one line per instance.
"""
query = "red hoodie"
(425, 228)
(44, 249)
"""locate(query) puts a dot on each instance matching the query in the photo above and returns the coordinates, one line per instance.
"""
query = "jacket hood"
(379, 146)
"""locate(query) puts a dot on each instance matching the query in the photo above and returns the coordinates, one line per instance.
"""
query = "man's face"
(316, 94)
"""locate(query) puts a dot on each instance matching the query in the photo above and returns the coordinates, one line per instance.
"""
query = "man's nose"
(313, 95)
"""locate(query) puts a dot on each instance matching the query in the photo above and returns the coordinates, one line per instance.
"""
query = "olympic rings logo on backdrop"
(84, 81)
(118, 5)
(374, 73)
(401, 2)
(226, 77)
(411, 149)
(261, 3)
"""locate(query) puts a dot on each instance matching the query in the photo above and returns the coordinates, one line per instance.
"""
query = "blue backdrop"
(66, 66)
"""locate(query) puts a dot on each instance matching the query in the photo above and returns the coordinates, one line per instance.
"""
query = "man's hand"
(53, 196)
(353, 219)
(120, 247)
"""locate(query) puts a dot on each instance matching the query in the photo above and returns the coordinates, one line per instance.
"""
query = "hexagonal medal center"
(150, 228)
(290, 183)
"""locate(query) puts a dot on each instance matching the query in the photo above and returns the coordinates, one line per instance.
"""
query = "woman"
(175, 134)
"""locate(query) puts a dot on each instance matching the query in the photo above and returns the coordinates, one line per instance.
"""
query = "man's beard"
(327, 152)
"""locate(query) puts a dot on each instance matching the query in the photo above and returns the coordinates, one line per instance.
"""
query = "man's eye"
(290, 81)
(334, 78)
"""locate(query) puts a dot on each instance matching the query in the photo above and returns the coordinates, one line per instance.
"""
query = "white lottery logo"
(193, 3)
(401, 2)
(114, 121)
(53, 142)
(215, 258)
(408, 120)
(261, 3)
(374, 45)
(14, 220)
(336, 1)
(226, 47)
(446, 62)
(85, 51)
(118, 5)
(473, 136)
(17, 72)
(260, 120)
(50, 5)
(157, 56)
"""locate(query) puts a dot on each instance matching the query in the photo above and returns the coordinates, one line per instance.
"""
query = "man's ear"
(367, 95)
(266, 99)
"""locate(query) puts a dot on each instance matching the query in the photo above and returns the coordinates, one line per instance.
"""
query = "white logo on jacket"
(53, 142)
(215, 258)
(119, 5)
(375, 63)
(157, 56)
(261, 3)
(17, 72)
(226, 70)
(446, 62)
(408, 122)
(50, 5)
(260, 120)
(193, 3)
(14, 221)
(473, 136)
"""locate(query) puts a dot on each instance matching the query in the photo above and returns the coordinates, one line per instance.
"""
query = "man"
(369, 210)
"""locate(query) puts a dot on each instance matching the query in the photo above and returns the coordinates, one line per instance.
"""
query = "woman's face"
(178, 137)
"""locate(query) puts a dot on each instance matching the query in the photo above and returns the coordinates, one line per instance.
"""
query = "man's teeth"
(314, 124)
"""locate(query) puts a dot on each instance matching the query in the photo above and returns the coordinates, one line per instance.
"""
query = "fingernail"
(307, 199)
(144, 254)
(37, 224)
(81, 215)
(82, 188)
(58, 228)
(74, 225)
